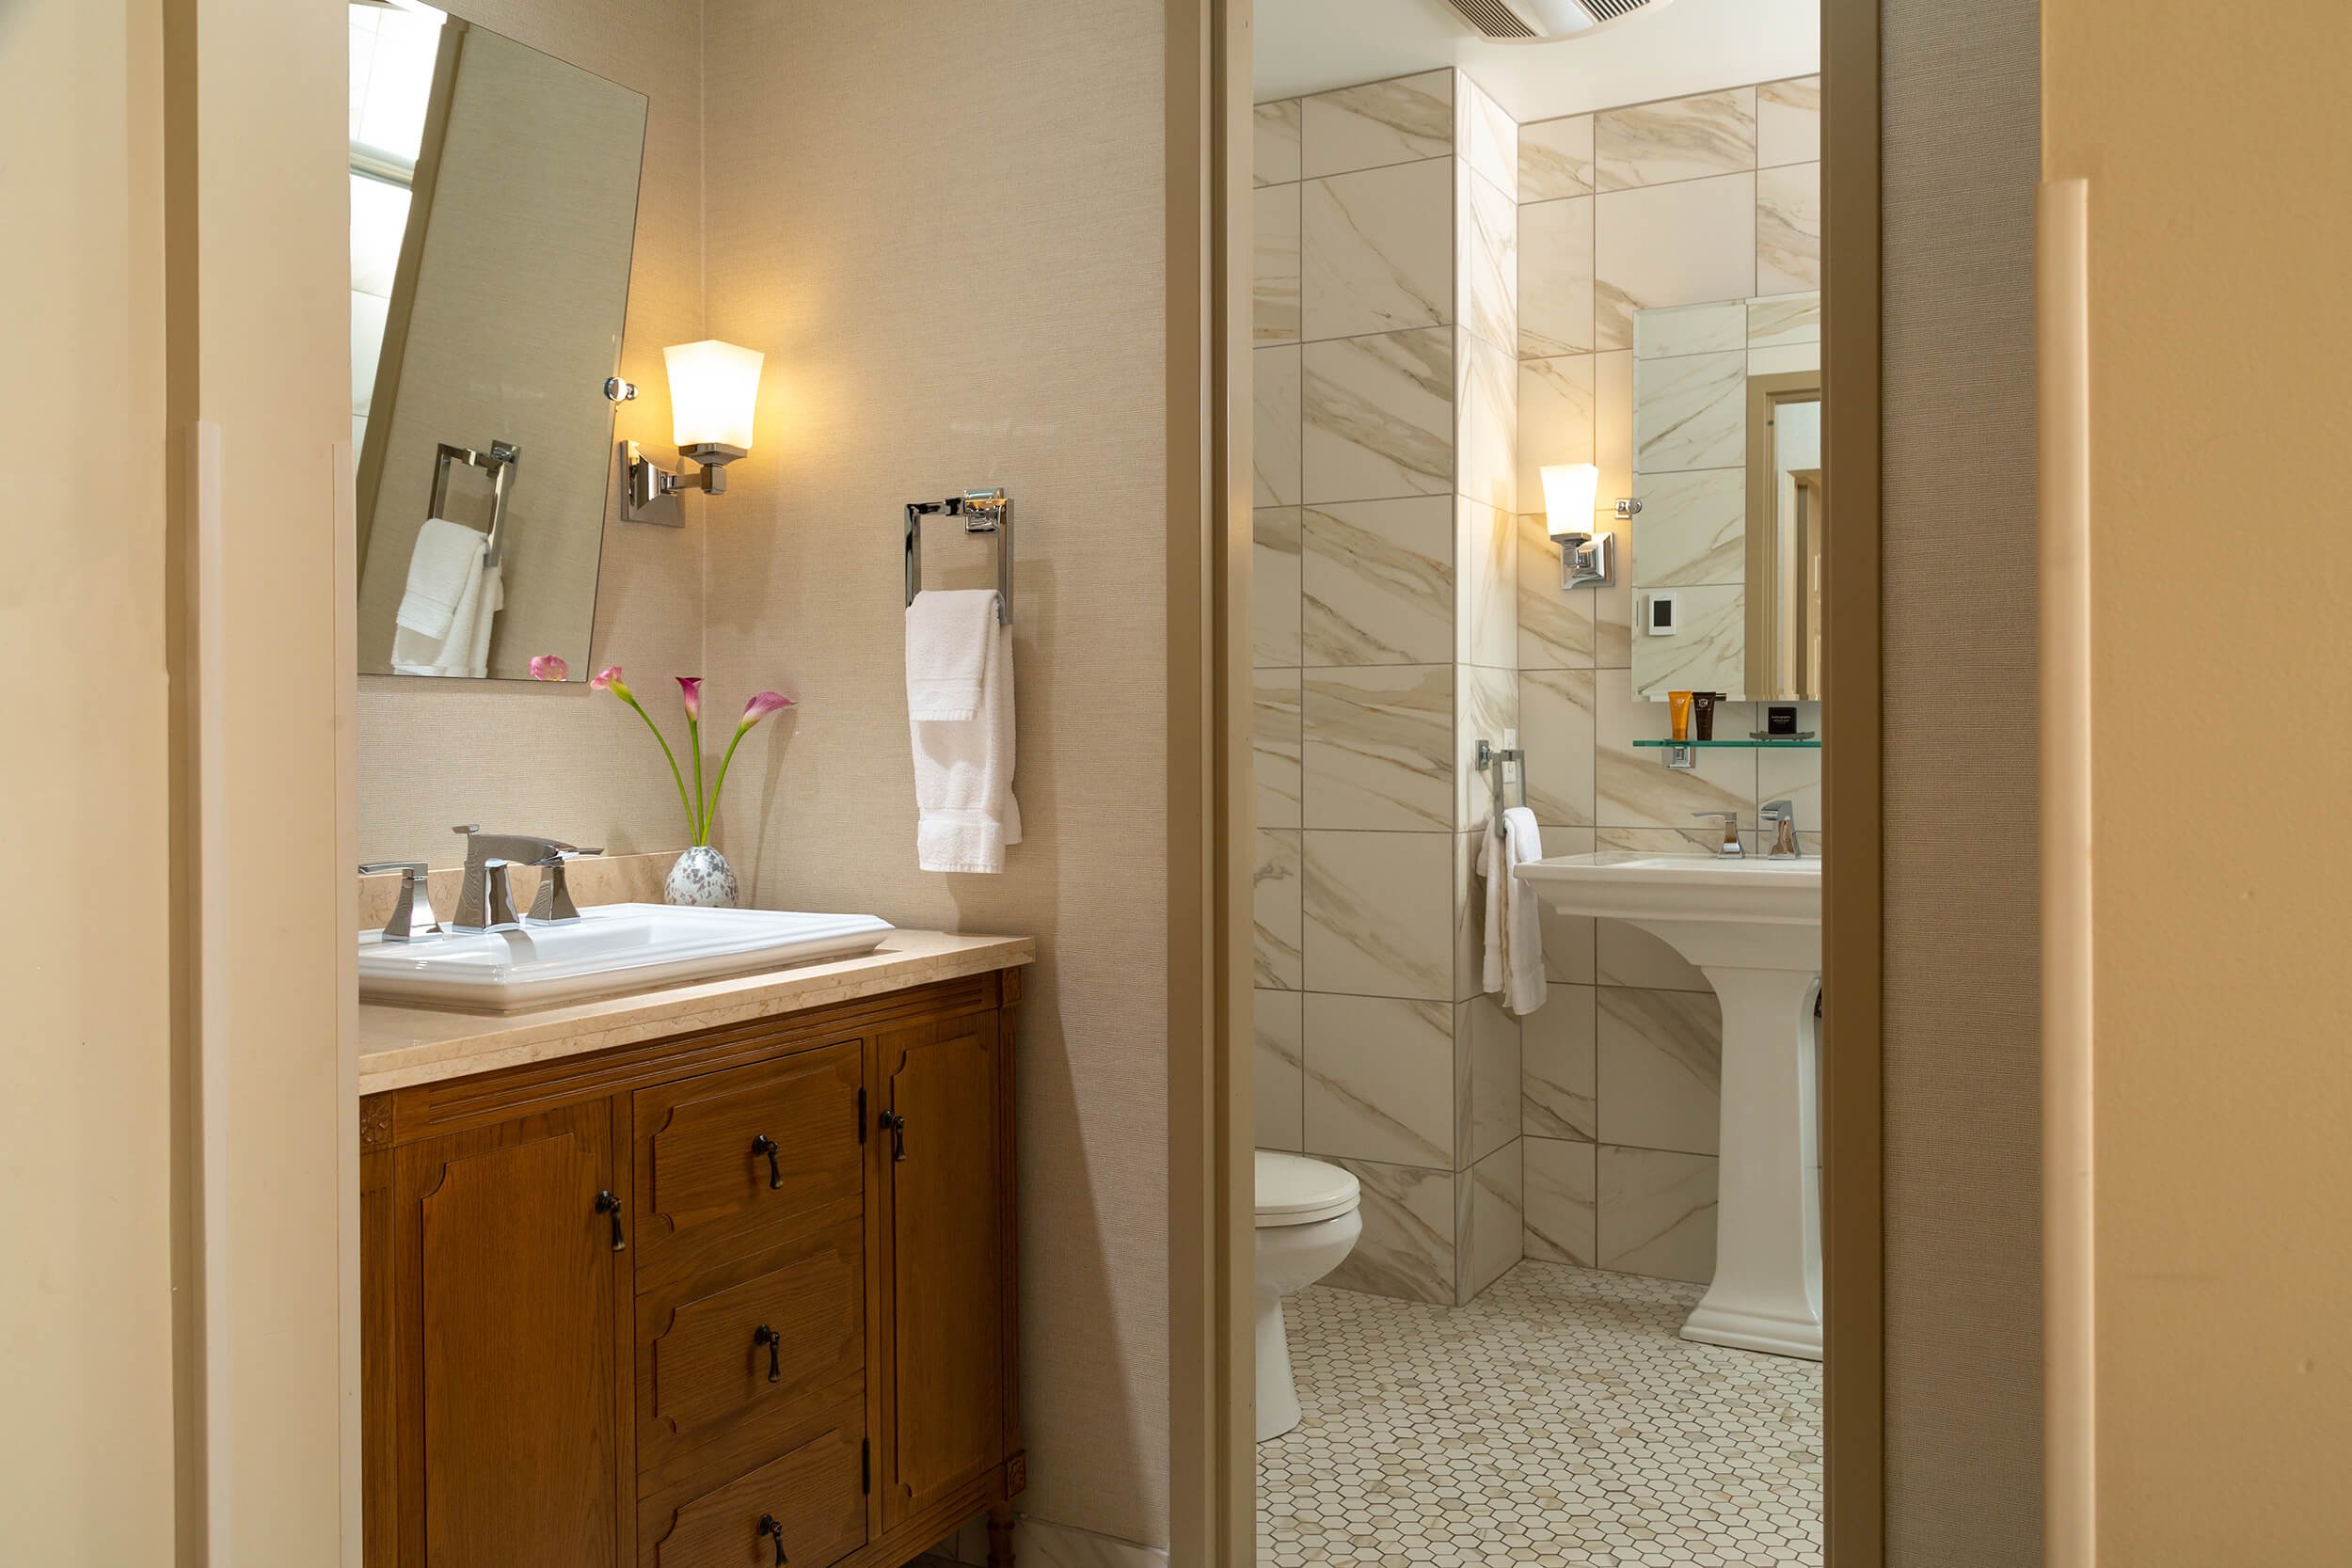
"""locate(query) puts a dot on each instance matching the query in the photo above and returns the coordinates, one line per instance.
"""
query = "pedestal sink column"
(1767, 1292)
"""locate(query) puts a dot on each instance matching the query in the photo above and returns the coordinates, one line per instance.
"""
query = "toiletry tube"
(1702, 708)
(1679, 707)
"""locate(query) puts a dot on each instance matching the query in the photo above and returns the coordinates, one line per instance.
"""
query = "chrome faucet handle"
(1781, 817)
(552, 904)
(498, 899)
(412, 913)
(1730, 848)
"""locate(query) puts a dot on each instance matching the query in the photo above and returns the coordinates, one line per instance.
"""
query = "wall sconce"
(1586, 558)
(714, 388)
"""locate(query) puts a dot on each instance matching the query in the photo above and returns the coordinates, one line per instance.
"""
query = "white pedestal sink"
(1754, 927)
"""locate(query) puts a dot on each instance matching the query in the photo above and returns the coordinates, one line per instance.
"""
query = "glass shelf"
(1747, 745)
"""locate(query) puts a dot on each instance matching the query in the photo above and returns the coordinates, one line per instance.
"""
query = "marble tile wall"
(1708, 198)
(1386, 642)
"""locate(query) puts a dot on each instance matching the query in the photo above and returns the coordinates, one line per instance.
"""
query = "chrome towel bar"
(499, 463)
(1497, 760)
(982, 512)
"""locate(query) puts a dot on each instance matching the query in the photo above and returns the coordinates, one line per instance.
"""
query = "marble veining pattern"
(1557, 257)
(1555, 627)
(1690, 413)
(1378, 917)
(1274, 154)
(1485, 137)
(1487, 403)
(1680, 138)
(1486, 260)
(1378, 250)
(1274, 427)
(1394, 122)
(1710, 653)
(1274, 597)
(1487, 707)
(1378, 416)
(1788, 229)
(1661, 1068)
(1558, 1053)
(1379, 1080)
(1275, 897)
(1274, 277)
(1378, 582)
(1556, 708)
(1490, 1227)
(1486, 582)
(1555, 420)
(1671, 331)
(1785, 319)
(1789, 121)
(1557, 1203)
(1558, 1419)
(1693, 528)
(1556, 159)
(1632, 790)
(1378, 746)
(1278, 1085)
(1274, 732)
(1407, 1248)
(1656, 1213)
(1683, 243)
(1487, 1045)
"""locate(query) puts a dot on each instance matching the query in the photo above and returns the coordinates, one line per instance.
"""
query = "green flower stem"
(702, 803)
(675, 777)
(740, 731)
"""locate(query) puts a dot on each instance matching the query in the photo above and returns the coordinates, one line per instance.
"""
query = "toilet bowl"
(1307, 1223)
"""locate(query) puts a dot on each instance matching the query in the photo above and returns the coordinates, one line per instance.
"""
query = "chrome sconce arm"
(642, 485)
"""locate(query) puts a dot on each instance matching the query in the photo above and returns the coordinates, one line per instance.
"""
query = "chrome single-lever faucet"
(484, 902)
(1730, 849)
(412, 913)
(1781, 817)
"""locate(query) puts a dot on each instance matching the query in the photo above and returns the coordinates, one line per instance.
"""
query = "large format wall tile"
(1633, 789)
(1558, 1089)
(1657, 1212)
(1485, 137)
(1489, 1221)
(1485, 585)
(1679, 138)
(1667, 245)
(1556, 266)
(1275, 897)
(1789, 121)
(1486, 260)
(1486, 422)
(1785, 319)
(1556, 728)
(1378, 914)
(1487, 1044)
(1661, 1068)
(1274, 278)
(1556, 159)
(1788, 229)
(1378, 250)
(1378, 416)
(1555, 420)
(1377, 744)
(1275, 149)
(1625, 955)
(1555, 623)
(1274, 426)
(1381, 122)
(1274, 587)
(1277, 1086)
(1407, 1248)
(1380, 1080)
(1693, 528)
(1378, 581)
(1690, 413)
(1708, 653)
(1273, 734)
(1666, 332)
(1486, 707)
(1557, 1186)
(1612, 432)
(1567, 938)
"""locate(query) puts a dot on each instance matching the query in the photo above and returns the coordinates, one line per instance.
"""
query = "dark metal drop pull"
(768, 1526)
(896, 1125)
(608, 1204)
(763, 1334)
(766, 1145)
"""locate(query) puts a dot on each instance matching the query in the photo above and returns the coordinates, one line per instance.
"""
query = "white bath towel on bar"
(1515, 934)
(441, 565)
(962, 766)
(461, 647)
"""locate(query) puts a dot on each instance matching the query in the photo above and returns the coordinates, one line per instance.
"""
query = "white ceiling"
(1686, 46)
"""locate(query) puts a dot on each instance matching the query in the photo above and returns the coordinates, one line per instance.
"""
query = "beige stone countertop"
(400, 1047)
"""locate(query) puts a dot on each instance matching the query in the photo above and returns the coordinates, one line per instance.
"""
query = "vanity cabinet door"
(508, 1287)
(940, 1147)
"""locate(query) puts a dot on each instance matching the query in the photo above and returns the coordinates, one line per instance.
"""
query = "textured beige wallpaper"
(1960, 116)
(521, 755)
(946, 234)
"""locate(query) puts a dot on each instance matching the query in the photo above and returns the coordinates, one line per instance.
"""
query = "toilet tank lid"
(1291, 1185)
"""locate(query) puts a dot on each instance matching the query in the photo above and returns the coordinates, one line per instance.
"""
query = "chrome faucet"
(1781, 817)
(484, 902)
(412, 913)
(1730, 849)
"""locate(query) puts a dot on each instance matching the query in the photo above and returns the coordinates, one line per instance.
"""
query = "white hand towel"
(964, 767)
(947, 644)
(1515, 934)
(441, 569)
(463, 649)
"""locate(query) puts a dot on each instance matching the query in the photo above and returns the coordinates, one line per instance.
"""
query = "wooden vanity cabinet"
(739, 1298)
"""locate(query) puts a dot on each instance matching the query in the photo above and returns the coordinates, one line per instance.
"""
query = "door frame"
(1211, 815)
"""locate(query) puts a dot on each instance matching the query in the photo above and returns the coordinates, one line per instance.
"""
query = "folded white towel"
(962, 766)
(947, 644)
(1515, 933)
(463, 649)
(441, 569)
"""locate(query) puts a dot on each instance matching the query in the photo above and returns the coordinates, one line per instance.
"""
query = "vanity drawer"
(729, 1161)
(743, 1358)
(814, 1493)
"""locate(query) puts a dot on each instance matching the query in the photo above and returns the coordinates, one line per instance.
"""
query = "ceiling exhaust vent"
(1538, 21)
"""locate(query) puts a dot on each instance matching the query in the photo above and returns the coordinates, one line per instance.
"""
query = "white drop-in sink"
(611, 948)
(1753, 926)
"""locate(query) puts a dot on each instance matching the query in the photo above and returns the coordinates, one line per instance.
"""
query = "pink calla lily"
(549, 667)
(700, 809)
(761, 706)
(690, 688)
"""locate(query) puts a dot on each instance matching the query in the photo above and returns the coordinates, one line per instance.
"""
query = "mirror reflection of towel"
(450, 604)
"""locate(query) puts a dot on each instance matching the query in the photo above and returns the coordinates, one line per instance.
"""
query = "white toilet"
(1307, 1222)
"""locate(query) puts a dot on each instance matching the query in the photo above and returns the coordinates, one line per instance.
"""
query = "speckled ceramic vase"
(702, 878)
